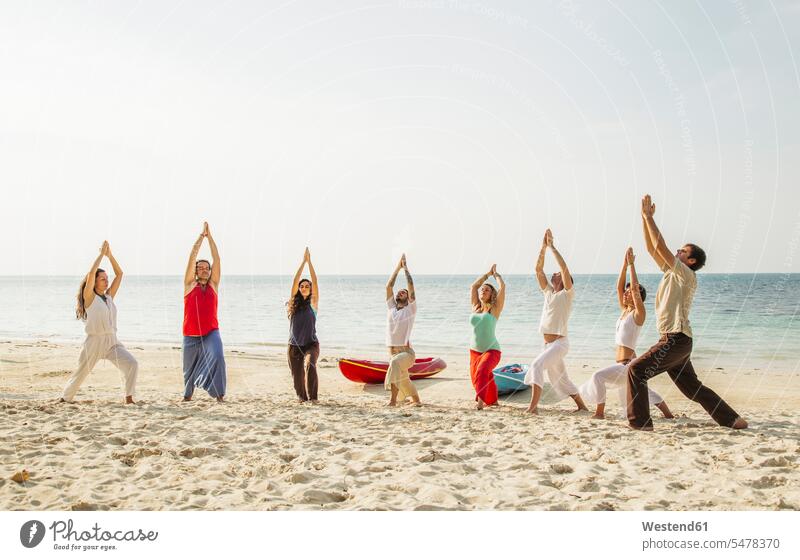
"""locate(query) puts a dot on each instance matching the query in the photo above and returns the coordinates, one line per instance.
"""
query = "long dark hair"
(298, 302)
(80, 308)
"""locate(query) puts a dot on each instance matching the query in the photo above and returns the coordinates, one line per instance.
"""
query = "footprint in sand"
(589, 486)
(769, 450)
(768, 482)
(561, 468)
(299, 478)
(777, 462)
(322, 497)
(191, 453)
(678, 486)
(131, 457)
(604, 506)
(658, 506)
(83, 506)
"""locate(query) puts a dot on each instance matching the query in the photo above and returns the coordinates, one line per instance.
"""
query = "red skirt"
(480, 371)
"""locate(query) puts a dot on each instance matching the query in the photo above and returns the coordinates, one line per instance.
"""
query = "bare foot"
(129, 400)
(534, 410)
(662, 406)
(300, 401)
(739, 424)
(669, 416)
(187, 399)
(415, 403)
(392, 403)
(599, 417)
(314, 401)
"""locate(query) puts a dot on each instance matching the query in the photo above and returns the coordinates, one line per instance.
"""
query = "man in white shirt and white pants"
(402, 309)
(553, 327)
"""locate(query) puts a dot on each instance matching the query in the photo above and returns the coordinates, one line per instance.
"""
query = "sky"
(455, 131)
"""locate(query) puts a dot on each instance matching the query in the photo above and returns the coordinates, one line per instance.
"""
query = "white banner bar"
(390, 535)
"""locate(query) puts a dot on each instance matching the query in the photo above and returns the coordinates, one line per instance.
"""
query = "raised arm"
(88, 289)
(501, 293)
(392, 280)
(314, 283)
(623, 277)
(566, 278)
(216, 265)
(412, 295)
(112, 290)
(190, 275)
(649, 242)
(639, 311)
(661, 253)
(299, 273)
(473, 291)
(540, 275)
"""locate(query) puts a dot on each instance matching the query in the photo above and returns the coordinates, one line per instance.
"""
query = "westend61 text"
(64, 530)
(693, 526)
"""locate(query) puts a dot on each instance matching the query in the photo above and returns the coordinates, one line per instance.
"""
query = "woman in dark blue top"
(302, 310)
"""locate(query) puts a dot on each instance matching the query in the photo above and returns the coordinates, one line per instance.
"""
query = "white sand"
(261, 451)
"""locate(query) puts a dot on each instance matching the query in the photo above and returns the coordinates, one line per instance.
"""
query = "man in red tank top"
(203, 358)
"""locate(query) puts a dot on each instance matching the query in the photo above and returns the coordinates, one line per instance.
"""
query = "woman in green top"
(484, 354)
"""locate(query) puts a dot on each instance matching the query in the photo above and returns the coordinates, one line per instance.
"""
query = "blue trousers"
(204, 364)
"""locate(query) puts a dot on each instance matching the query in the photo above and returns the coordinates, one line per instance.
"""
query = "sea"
(740, 321)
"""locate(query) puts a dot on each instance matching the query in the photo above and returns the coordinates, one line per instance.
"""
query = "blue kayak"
(509, 379)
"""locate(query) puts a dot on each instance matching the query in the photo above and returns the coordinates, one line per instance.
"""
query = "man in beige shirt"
(672, 353)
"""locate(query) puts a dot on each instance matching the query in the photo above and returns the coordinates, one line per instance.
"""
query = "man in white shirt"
(672, 353)
(402, 309)
(553, 327)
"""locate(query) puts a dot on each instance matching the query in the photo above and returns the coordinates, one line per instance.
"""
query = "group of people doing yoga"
(204, 363)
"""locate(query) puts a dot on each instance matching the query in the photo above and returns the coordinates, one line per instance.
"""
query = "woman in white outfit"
(631, 298)
(96, 308)
(553, 327)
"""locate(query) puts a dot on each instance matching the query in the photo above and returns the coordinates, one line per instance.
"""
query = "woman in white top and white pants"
(629, 325)
(96, 308)
(553, 327)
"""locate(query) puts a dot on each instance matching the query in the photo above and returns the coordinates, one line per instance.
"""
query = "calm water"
(747, 320)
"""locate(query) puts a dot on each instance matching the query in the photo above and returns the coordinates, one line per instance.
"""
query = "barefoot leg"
(536, 394)
(662, 406)
(393, 398)
(579, 401)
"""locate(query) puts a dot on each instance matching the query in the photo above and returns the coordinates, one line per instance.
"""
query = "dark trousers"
(305, 376)
(672, 353)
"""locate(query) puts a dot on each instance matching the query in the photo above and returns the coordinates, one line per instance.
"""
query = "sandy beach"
(262, 451)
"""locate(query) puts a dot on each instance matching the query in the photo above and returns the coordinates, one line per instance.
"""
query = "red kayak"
(366, 371)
